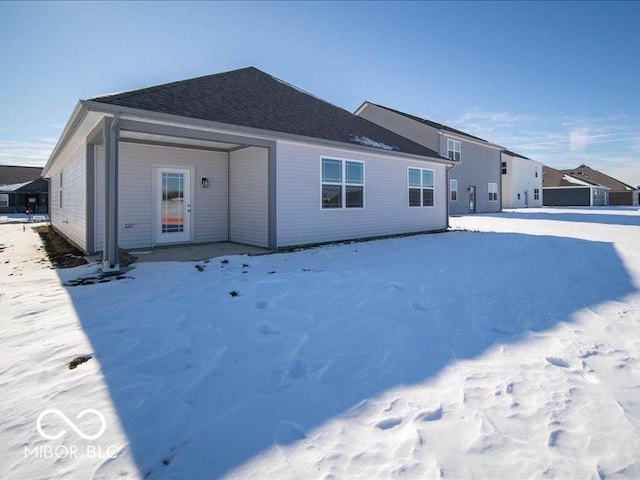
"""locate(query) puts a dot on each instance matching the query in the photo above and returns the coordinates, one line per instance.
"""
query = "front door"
(472, 199)
(173, 205)
(526, 198)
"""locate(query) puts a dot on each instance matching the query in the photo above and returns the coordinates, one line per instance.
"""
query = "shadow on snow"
(210, 381)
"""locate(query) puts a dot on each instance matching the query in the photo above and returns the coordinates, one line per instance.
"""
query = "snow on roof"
(575, 180)
(372, 143)
(13, 186)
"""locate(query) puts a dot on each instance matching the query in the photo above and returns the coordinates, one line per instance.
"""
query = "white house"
(239, 156)
(521, 181)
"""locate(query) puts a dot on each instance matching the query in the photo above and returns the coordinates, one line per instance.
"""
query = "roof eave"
(79, 112)
(95, 106)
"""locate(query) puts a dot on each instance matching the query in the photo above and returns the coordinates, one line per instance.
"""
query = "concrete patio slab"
(195, 253)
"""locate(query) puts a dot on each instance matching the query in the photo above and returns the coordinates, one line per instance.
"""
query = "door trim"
(472, 188)
(156, 169)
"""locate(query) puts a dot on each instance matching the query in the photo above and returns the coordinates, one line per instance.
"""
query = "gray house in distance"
(22, 190)
(474, 181)
(239, 156)
(562, 189)
(620, 193)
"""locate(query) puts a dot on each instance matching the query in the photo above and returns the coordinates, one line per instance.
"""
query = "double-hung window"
(493, 192)
(453, 149)
(504, 168)
(453, 190)
(536, 194)
(421, 187)
(4, 199)
(342, 183)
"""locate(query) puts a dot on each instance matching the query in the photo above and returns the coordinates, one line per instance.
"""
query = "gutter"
(137, 113)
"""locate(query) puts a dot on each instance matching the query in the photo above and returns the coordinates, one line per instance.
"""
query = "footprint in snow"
(558, 362)
(389, 423)
(430, 416)
(297, 369)
(267, 329)
(554, 437)
(418, 305)
(262, 304)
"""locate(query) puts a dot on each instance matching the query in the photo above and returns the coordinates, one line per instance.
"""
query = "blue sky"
(554, 81)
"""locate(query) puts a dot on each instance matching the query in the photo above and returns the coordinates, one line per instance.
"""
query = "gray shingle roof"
(13, 174)
(558, 178)
(251, 98)
(584, 172)
(431, 123)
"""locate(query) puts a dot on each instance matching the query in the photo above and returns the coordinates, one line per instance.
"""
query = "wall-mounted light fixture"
(204, 182)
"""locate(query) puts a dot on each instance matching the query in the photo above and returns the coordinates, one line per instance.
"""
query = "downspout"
(447, 187)
(110, 255)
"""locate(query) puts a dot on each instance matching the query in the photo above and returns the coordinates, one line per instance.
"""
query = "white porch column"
(110, 258)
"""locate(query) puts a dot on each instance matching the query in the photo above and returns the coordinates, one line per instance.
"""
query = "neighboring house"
(564, 189)
(521, 181)
(239, 156)
(22, 189)
(474, 182)
(620, 193)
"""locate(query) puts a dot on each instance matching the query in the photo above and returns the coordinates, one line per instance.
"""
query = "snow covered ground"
(509, 350)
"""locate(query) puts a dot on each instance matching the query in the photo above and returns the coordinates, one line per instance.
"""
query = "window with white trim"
(4, 199)
(342, 183)
(493, 192)
(453, 190)
(536, 194)
(421, 187)
(454, 149)
(60, 189)
(504, 168)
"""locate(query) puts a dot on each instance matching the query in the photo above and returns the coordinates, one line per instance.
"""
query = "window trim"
(343, 184)
(503, 168)
(451, 189)
(433, 175)
(536, 194)
(2, 202)
(490, 192)
(454, 142)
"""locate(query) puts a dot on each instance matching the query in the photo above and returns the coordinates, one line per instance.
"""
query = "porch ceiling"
(139, 137)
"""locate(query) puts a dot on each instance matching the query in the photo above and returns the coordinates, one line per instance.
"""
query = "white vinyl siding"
(248, 196)
(520, 178)
(300, 221)
(68, 207)
(136, 193)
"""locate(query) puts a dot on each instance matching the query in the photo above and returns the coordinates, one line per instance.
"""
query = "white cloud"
(608, 143)
(579, 138)
(34, 152)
